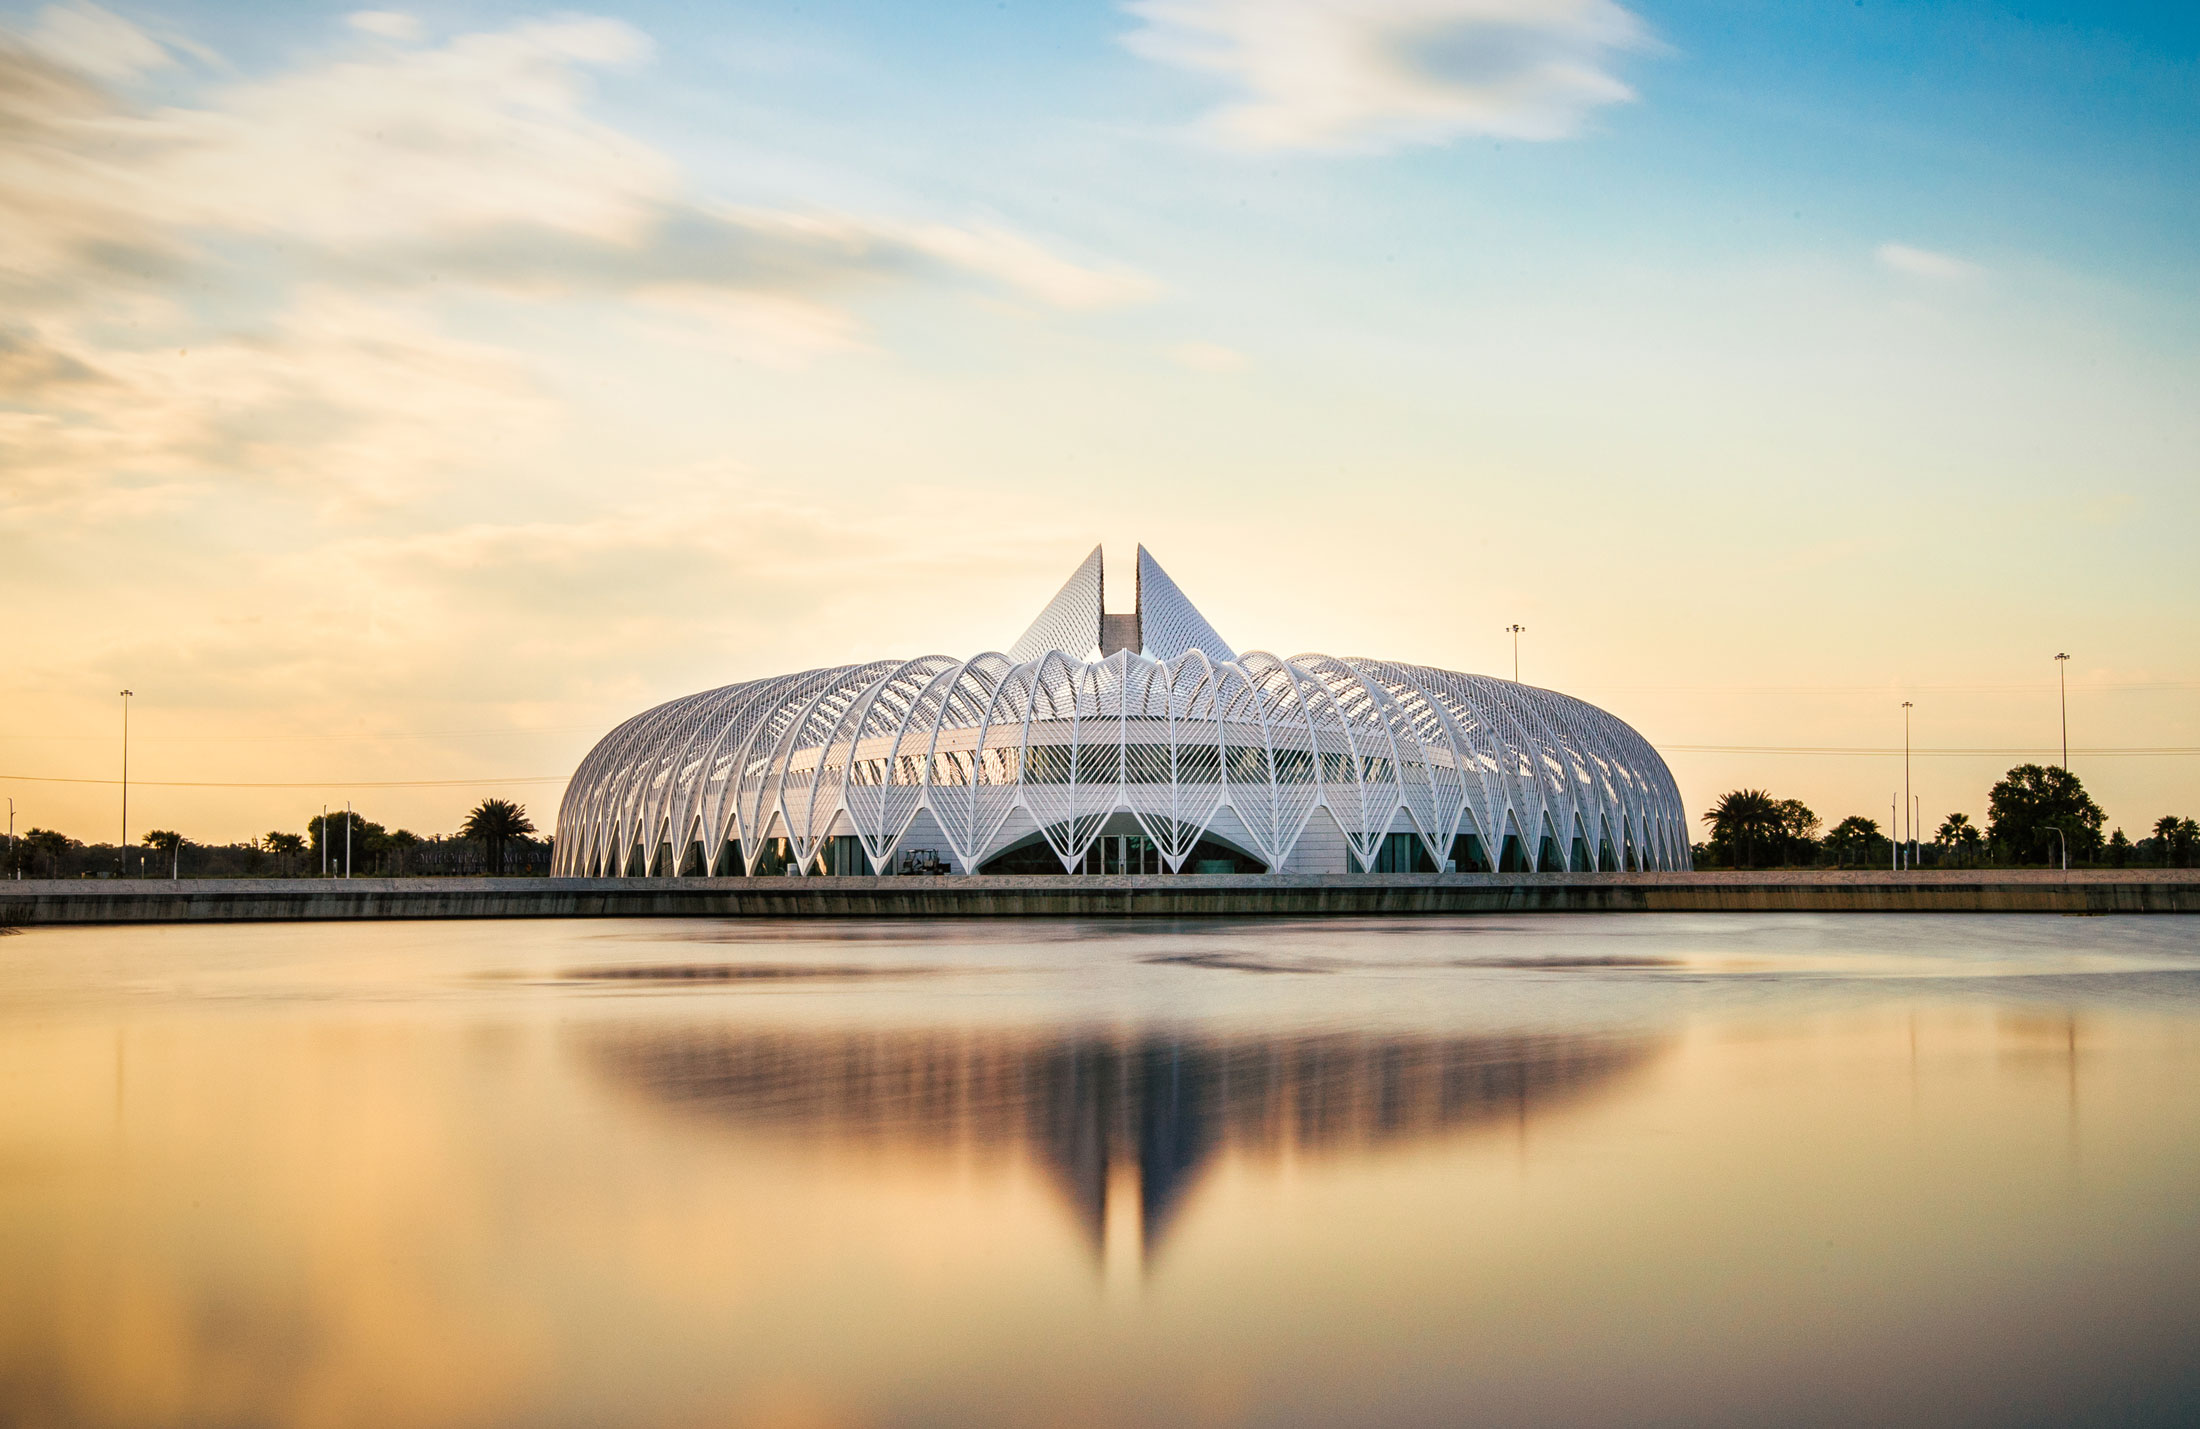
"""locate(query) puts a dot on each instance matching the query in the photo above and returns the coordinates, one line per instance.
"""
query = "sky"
(397, 400)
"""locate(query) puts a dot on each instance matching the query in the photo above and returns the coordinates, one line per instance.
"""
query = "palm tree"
(1743, 819)
(51, 842)
(1957, 831)
(496, 822)
(2176, 838)
(1851, 840)
(1958, 834)
(170, 843)
(402, 842)
(2165, 838)
(285, 847)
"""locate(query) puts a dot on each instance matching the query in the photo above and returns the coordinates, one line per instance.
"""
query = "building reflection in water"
(1153, 1110)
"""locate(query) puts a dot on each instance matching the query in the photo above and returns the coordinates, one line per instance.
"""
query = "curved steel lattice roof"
(1181, 734)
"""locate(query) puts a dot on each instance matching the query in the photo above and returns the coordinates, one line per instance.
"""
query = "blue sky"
(397, 395)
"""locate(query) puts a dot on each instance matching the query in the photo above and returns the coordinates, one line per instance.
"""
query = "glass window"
(843, 854)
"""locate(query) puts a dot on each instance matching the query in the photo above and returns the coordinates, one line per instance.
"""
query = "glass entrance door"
(1124, 853)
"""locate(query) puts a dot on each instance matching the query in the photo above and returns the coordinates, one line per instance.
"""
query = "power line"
(313, 784)
(1883, 686)
(1946, 750)
(356, 737)
(1832, 750)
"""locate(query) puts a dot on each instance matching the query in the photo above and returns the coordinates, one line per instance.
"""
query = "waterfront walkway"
(45, 902)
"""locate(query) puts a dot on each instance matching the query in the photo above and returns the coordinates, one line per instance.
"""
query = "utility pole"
(324, 840)
(122, 853)
(1516, 631)
(2062, 689)
(347, 838)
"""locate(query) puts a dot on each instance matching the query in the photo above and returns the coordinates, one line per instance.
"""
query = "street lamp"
(2062, 687)
(1516, 631)
(2058, 833)
(122, 853)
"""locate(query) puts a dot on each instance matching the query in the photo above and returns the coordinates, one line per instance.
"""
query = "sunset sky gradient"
(395, 401)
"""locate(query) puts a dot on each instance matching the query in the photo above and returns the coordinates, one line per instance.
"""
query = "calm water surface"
(1539, 1171)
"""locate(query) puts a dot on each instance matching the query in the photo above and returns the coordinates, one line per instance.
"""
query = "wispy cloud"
(704, 561)
(1023, 264)
(1207, 357)
(389, 24)
(370, 149)
(312, 362)
(97, 42)
(335, 399)
(1925, 263)
(1377, 74)
(244, 284)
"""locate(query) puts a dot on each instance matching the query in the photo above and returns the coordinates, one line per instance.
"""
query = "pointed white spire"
(1071, 621)
(1168, 623)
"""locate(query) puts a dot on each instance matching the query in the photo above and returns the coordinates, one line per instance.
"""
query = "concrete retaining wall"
(253, 900)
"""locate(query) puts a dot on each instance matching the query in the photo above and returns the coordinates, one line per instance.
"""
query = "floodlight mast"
(122, 851)
(2062, 690)
(1911, 829)
(1516, 631)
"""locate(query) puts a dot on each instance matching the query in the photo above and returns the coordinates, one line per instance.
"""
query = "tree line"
(2033, 813)
(497, 837)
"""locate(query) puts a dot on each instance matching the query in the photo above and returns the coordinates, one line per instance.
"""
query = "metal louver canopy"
(1168, 623)
(1305, 764)
(1071, 621)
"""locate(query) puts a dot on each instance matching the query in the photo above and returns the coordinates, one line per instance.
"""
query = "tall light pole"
(1906, 814)
(2062, 689)
(1516, 631)
(324, 840)
(122, 853)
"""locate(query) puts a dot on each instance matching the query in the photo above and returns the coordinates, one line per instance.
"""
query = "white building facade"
(1121, 744)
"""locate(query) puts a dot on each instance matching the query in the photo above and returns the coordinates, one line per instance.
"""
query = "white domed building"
(1137, 743)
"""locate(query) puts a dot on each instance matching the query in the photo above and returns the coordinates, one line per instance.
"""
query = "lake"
(1563, 1170)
